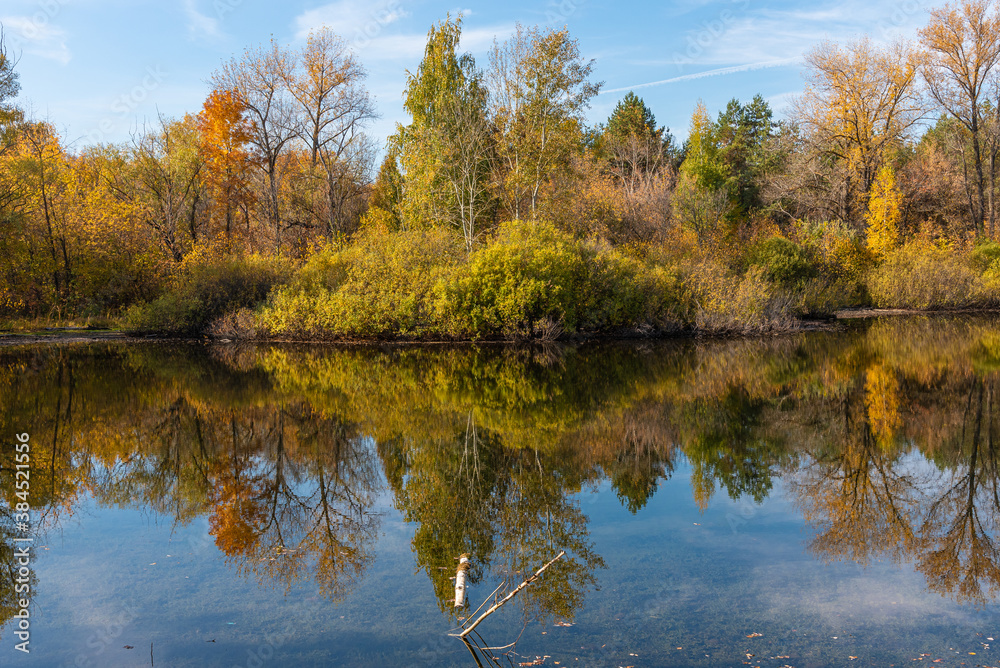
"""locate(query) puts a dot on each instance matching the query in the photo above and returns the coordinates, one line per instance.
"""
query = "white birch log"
(463, 567)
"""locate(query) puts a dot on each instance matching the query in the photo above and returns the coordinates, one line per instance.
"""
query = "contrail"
(709, 73)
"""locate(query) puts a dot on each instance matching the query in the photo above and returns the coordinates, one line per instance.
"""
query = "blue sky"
(98, 68)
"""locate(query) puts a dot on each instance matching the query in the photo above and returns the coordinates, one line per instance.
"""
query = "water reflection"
(287, 450)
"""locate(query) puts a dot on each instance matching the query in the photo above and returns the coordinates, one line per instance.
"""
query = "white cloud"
(411, 46)
(200, 26)
(354, 20)
(36, 37)
(367, 28)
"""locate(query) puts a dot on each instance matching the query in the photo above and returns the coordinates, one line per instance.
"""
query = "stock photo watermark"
(35, 25)
(698, 40)
(559, 12)
(22, 551)
(902, 13)
(100, 640)
(380, 18)
(127, 103)
(224, 8)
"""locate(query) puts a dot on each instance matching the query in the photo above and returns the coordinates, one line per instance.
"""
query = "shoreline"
(64, 335)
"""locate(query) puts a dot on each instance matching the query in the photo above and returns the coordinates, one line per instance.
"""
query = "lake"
(817, 499)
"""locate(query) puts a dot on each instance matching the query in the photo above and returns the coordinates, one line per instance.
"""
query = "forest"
(499, 212)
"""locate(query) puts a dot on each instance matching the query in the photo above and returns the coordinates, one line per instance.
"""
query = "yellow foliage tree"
(884, 203)
(859, 101)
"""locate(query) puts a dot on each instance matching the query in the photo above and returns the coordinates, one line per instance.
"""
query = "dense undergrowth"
(530, 280)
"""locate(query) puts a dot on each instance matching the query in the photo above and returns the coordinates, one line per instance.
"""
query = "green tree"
(701, 201)
(633, 145)
(742, 134)
(10, 86)
(384, 206)
(444, 151)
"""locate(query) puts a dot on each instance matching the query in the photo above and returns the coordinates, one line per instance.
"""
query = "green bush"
(783, 262)
(921, 275)
(623, 292)
(984, 255)
(528, 282)
(205, 288)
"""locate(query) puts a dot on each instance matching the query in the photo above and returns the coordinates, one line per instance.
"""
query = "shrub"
(530, 276)
(380, 286)
(722, 302)
(534, 281)
(921, 275)
(623, 292)
(206, 287)
(783, 262)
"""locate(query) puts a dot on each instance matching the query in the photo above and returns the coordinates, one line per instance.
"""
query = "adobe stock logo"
(125, 104)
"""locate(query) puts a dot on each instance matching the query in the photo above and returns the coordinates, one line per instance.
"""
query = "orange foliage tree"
(224, 134)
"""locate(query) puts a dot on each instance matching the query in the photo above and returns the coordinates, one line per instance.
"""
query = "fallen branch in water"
(510, 596)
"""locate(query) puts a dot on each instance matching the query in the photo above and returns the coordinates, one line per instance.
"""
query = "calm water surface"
(823, 499)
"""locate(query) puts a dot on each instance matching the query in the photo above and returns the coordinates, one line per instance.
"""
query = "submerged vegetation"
(498, 213)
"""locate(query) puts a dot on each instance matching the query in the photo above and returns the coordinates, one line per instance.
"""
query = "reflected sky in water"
(797, 500)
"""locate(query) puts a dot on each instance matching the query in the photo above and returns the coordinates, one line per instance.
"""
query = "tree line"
(887, 157)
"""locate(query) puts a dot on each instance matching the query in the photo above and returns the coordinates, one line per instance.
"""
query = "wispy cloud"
(377, 32)
(354, 20)
(750, 33)
(721, 71)
(201, 26)
(37, 38)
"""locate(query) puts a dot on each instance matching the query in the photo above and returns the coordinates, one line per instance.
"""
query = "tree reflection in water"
(885, 436)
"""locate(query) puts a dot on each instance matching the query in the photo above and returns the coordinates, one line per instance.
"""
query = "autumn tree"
(43, 165)
(327, 82)
(223, 135)
(884, 212)
(540, 89)
(962, 41)
(257, 80)
(162, 184)
(860, 100)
